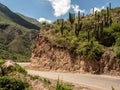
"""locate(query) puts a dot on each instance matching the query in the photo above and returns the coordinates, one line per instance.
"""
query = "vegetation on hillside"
(89, 35)
(16, 42)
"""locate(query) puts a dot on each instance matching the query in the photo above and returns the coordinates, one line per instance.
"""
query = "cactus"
(101, 30)
(110, 6)
(88, 36)
(93, 11)
(78, 27)
(78, 16)
(96, 31)
(71, 18)
(83, 15)
(95, 15)
(110, 21)
(108, 13)
(98, 18)
(62, 27)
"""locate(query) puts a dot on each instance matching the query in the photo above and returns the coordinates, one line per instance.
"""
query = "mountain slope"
(8, 15)
(16, 35)
(29, 19)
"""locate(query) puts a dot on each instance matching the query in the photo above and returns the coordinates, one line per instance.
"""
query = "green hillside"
(29, 19)
(16, 35)
(6, 15)
(88, 36)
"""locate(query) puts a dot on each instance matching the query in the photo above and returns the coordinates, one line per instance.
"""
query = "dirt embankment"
(47, 56)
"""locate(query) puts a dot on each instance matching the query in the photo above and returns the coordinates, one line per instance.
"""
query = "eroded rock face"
(47, 56)
(108, 63)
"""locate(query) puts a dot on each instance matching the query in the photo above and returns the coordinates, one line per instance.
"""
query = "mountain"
(17, 35)
(29, 19)
(8, 16)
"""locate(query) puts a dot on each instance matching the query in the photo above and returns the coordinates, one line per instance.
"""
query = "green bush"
(1, 62)
(90, 50)
(63, 86)
(10, 83)
(117, 43)
(46, 81)
(19, 69)
(115, 27)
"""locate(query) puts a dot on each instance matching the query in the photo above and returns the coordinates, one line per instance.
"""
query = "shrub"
(115, 27)
(46, 81)
(10, 83)
(19, 69)
(34, 77)
(1, 62)
(117, 43)
(90, 50)
(63, 86)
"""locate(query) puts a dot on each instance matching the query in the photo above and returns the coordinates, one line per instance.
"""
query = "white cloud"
(60, 7)
(96, 9)
(41, 20)
(76, 9)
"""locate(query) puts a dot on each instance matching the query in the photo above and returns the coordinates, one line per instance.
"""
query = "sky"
(50, 10)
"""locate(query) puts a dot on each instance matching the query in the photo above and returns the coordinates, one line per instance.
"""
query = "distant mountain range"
(17, 34)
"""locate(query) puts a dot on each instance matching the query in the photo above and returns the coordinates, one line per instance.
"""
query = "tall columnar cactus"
(93, 10)
(98, 17)
(110, 6)
(78, 27)
(108, 13)
(83, 15)
(101, 30)
(78, 16)
(71, 18)
(88, 35)
(62, 26)
(95, 15)
(96, 31)
(110, 21)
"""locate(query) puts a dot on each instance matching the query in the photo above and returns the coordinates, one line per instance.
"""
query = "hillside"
(29, 19)
(83, 44)
(7, 16)
(16, 35)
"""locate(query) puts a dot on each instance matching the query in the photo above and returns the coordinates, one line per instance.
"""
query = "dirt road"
(95, 82)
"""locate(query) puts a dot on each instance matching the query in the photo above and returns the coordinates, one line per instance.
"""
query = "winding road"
(94, 82)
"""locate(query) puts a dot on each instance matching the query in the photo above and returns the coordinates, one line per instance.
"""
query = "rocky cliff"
(48, 56)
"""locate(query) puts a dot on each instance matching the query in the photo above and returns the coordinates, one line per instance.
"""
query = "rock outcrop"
(47, 56)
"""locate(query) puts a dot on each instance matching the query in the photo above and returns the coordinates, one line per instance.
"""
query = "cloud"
(41, 20)
(76, 9)
(97, 9)
(60, 7)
